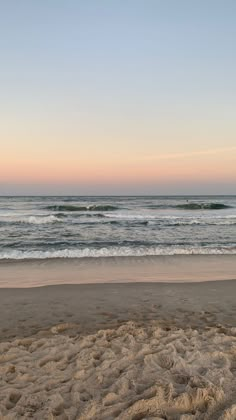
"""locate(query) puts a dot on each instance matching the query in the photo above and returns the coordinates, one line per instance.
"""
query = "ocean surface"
(76, 227)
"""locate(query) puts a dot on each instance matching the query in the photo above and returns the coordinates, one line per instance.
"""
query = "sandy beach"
(126, 351)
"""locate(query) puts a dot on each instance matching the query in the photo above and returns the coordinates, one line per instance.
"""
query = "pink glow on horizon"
(195, 167)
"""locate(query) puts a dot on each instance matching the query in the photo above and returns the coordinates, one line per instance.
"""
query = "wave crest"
(41, 220)
(203, 206)
(92, 207)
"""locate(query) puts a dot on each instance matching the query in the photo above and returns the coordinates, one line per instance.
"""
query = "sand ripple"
(130, 372)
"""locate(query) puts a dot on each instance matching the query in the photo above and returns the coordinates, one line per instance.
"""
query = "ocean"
(77, 227)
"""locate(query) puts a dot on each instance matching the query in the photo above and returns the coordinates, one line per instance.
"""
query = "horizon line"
(117, 195)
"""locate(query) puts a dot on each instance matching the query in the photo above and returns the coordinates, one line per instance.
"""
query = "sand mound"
(130, 372)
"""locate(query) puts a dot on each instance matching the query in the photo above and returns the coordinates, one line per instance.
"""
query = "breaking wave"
(42, 220)
(117, 251)
(34, 220)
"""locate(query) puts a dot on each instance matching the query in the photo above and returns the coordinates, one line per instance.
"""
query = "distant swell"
(92, 207)
(117, 251)
(202, 206)
(191, 206)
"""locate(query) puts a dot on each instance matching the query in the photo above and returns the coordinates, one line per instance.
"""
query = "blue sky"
(90, 90)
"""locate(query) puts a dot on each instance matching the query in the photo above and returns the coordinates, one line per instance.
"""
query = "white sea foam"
(128, 216)
(116, 252)
(39, 220)
(35, 220)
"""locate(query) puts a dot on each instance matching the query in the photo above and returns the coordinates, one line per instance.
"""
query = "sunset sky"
(118, 97)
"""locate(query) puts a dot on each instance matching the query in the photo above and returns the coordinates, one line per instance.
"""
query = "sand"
(130, 372)
(119, 351)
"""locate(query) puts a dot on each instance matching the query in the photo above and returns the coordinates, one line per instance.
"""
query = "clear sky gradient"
(118, 97)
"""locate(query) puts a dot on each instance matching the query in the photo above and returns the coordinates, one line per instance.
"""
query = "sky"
(117, 97)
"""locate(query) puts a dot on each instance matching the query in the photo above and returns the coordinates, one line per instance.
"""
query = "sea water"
(77, 227)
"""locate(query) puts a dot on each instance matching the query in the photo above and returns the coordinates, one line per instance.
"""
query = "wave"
(192, 222)
(169, 223)
(202, 224)
(202, 206)
(117, 252)
(126, 216)
(190, 206)
(41, 220)
(156, 219)
(119, 219)
(92, 207)
(35, 220)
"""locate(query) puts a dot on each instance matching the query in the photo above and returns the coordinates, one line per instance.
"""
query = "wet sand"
(175, 268)
(94, 306)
